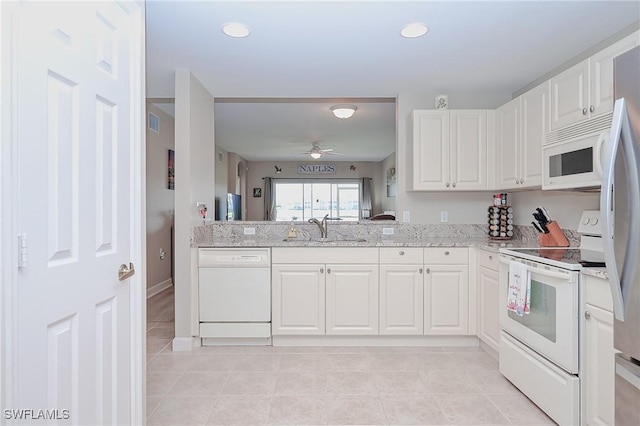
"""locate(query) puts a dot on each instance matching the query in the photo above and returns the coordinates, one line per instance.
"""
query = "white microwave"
(574, 159)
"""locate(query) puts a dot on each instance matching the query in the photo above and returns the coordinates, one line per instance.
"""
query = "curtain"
(365, 208)
(269, 200)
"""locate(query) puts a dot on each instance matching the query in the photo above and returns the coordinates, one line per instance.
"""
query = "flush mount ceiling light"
(344, 111)
(315, 154)
(236, 30)
(414, 30)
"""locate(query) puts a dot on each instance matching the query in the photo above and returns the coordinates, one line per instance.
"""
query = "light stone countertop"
(596, 272)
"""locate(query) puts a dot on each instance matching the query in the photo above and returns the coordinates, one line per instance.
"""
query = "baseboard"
(374, 341)
(155, 289)
(182, 344)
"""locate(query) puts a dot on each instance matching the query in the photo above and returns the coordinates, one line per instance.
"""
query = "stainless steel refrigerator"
(620, 207)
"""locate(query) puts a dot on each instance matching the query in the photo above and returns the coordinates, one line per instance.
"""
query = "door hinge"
(22, 250)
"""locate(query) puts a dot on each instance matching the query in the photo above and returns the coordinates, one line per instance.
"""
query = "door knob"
(125, 271)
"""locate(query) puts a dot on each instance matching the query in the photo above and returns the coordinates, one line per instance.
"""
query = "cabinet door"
(468, 150)
(570, 96)
(507, 140)
(431, 150)
(489, 307)
(401, 299)
(599, 366)
(298, 299)
(446, 300)
(352, 299)
(535, 124)
(601, 74)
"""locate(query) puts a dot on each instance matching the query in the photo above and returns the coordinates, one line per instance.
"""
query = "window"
(297, 200)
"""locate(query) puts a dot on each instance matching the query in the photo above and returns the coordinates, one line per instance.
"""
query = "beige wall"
(195, 168)
(221, 182)
(160, 200)
(260, 169)
(386, 203)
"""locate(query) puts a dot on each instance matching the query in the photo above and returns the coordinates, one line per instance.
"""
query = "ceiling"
(478, 53)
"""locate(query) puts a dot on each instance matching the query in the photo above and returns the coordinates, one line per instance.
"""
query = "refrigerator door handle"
(621, 142)
(606, 209)
(602, 138)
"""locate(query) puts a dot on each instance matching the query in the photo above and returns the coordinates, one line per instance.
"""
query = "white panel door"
(570, 96)
(599, 368)
(401, 299)
(468, 149)
(352, 299)
(78, 82)
(446, 300)
(431, 160)
(297, 297)
(535, 124)
(489, 307)
(507, 143)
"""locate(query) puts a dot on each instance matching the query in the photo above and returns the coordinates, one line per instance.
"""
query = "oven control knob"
(594, 221)
(585, 221)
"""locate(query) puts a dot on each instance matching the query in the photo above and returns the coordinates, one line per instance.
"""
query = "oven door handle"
(566, 276)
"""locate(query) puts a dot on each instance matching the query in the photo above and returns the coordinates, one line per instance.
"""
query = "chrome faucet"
(322, 225)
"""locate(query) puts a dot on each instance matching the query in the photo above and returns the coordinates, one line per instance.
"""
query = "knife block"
(555, 237)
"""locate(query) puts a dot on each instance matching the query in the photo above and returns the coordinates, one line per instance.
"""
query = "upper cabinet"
(450, 149)
(520, 128)
(586, 89)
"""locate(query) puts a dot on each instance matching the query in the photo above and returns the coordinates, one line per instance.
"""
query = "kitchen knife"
(545, 213)
(538, 228)
(543, 225)
(541, 215)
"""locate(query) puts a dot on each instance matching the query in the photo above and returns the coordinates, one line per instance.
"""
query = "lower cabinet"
(352, 299)
(488, 294)
(401, 299)
(597, 353)
(446, 300)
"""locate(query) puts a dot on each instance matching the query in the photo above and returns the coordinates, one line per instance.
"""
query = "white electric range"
(539, 350)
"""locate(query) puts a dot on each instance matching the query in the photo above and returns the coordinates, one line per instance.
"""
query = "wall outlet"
(444, 216)
(388, 231)
(406, 216)
(249, 231)
(162, 254)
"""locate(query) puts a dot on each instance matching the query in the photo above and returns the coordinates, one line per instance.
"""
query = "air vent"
(154, 122)
(592, 125)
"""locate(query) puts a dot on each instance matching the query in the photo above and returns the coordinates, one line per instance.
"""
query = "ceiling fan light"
(344, 111)
(315, 155)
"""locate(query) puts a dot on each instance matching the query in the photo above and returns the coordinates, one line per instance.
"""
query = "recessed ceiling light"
(414, 30)
(344, 111)
(235, 29)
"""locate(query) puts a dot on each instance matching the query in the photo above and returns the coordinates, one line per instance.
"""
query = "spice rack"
(500, 222)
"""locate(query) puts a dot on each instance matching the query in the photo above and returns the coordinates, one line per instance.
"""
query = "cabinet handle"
(587, 315)
(428, 271)
(454, 184)
(521, 181)
(517, 181)
(584, 111)
(490, 257)
(447, 184)
(328, 270)
(401, 253)
(446, 253)
(322, 270)
(592, 108)
(420, 270)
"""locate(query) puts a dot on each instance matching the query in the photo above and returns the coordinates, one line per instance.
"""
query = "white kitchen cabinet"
(401, 291)
(352, 299)
(488, 289)
(449, 150)
(597, 353)
(507, 144)
(534, 121)
(446, 291)
(298, 299)
(586, 89)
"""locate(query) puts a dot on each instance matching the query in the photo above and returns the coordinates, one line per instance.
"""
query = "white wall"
(194, 182)
(160, 200)
(564, 207)
(260, 169)
(221, 182)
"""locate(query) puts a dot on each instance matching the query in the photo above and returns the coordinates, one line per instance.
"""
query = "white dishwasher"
(234, 297)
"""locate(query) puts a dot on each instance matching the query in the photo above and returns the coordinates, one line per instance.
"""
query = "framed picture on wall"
(391, 182)
(257, 192)
(170, 170)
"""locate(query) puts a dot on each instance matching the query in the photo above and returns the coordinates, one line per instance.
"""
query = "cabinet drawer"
(488, 259)
(597, 292)
(401, 255)
(446, 256)
(344, 255)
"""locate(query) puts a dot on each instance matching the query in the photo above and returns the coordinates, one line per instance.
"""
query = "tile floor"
(235, 385)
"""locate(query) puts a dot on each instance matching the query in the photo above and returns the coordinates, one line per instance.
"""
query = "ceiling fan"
(315, 152)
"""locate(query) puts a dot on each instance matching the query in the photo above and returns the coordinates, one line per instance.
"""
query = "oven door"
(551, 327)
(575, 163)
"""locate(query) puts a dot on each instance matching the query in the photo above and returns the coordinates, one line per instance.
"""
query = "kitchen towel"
(519, 288)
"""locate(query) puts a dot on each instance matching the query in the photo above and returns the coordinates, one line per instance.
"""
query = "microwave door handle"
(543, 272)
(597, 158)
(606, 208)
(630, 152)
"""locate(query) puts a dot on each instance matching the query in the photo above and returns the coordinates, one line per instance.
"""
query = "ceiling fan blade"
(334, 153)
(327, 150)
